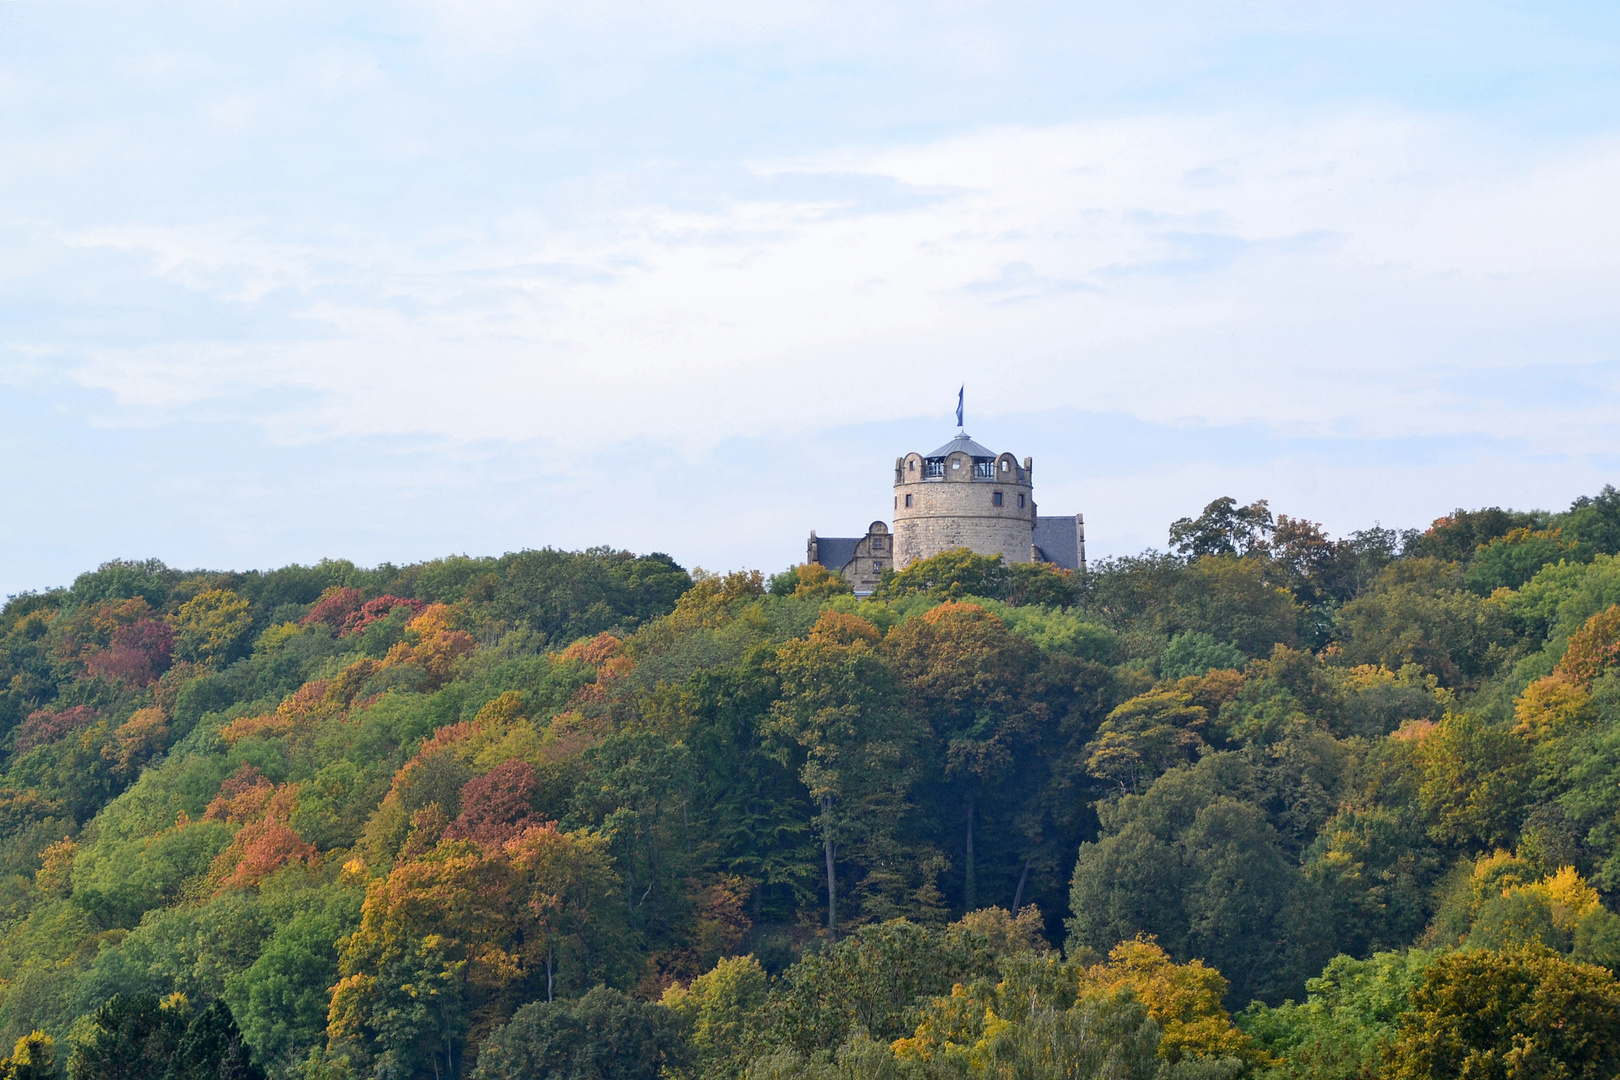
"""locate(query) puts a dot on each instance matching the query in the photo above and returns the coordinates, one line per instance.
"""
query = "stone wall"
(958, 509)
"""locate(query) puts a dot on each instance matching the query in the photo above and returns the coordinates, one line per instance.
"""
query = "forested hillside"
(1270, 805)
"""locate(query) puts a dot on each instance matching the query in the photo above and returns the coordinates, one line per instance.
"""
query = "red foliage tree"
(495, 807)
(139, 653)
(380, 608)
(45, 726)
(335, 606)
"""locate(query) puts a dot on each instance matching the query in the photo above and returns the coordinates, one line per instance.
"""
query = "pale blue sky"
(282, 281)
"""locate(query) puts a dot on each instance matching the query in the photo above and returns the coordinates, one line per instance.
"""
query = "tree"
(1041, 583)
(1455, 537)
(808, 581)
(1344, 1028)
(1224, 528)
(1476, 778)
(449, 943)
(1185, 999)
(1232, 599)
(963, 672)
(1419, 612)
(637, 791)
(1595, 520)
(868, 982)
(212, 1049)
(131, 1037)
(839, 709)
(1524, 1013)
(211, 626)
(282, 998)
(496, 806)
(1146, 737)
(1509, 561)
(33, 1058)
(1203, 871)
(950, 575)
(601, 1036)
(724, 1013)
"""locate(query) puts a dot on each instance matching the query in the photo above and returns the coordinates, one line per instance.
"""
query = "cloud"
(1281, 240)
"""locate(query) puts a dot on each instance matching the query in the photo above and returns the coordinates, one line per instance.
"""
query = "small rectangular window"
(877, 543)
(877, 568)
(908, 502)
(1020, 502)
(995, 499)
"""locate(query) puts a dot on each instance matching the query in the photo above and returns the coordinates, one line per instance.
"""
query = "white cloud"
(1224, 267)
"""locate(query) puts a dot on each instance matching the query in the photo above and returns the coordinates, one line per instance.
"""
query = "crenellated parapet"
(963, 495)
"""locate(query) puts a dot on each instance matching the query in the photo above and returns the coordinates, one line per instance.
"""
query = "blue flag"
(959, 405)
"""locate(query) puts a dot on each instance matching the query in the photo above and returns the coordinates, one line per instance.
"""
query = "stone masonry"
(961, 495)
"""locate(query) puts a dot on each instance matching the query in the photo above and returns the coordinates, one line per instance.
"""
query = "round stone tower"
(962, 495)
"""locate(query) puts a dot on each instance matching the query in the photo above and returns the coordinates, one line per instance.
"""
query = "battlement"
(960, 495)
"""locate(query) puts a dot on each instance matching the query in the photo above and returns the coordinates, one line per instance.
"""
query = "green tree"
(1224, 528)
(869, 982)
(282, 998)
(131, 1037)
(950, 575)
(967, 675)
(601, 1036)
(1146, 737)
(1194, 864)
(1509, 1015)
(1419, 612)
(1476, 778)
(839, 710)
(1196, 653)
(1343, 1028)
(1595, 520)
(1455, 537)
(1509, 561)
(724, 1013)
(212, 1049)
(1233, 600)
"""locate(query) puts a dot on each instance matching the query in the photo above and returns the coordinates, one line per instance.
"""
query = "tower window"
(1020, 502)
(911, 466)
(995, 498)
(908, 502)
(1003, 466)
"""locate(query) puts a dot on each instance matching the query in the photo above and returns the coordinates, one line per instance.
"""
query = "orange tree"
(450, 943)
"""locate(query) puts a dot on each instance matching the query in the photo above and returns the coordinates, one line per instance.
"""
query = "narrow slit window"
(908, 502)
(1020, 502)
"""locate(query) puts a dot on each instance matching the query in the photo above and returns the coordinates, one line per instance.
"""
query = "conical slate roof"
(965, 445)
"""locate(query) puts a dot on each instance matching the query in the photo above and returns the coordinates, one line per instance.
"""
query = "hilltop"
(1268, 804)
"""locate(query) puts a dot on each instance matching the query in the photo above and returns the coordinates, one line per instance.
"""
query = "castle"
(960, 495)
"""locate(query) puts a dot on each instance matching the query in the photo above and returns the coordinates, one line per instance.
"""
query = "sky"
(284, 281)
